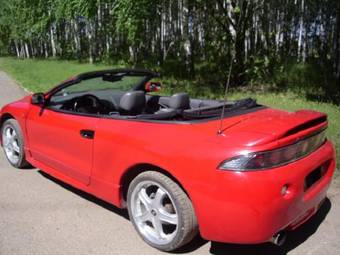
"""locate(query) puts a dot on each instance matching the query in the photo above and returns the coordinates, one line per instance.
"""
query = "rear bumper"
(248, 207)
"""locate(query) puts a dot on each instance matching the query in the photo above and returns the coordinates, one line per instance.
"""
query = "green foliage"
(131, 16)
(258, 69)
(189, 40)
(310, 80)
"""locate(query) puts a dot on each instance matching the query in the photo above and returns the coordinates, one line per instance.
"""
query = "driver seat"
(132, 103)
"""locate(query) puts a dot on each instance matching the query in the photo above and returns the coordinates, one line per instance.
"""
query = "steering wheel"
(88, 103)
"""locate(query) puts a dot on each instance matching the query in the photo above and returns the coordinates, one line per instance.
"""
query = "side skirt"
(102, 190)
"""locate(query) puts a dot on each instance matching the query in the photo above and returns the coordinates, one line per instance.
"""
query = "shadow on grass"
(329, 99)
(294, 238)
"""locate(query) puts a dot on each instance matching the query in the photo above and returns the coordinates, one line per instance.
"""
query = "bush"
(310, 80)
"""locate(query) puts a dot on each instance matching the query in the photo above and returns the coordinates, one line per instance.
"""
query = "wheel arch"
(135, 170)
(4, 117)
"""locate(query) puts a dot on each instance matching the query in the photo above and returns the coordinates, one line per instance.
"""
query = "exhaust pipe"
(279, 238)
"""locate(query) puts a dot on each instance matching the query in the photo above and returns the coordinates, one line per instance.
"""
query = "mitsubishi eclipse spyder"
(232, 171)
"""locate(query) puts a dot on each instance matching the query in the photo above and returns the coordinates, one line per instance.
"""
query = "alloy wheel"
(154, 213)
(11, 144)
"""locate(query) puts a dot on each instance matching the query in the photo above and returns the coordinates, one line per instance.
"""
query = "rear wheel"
(160, 211)
(13, 144)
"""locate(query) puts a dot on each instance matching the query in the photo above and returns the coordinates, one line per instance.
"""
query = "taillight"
(274, 158)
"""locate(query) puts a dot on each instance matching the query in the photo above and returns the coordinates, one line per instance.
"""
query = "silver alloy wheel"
(154, 213)
(11, 144)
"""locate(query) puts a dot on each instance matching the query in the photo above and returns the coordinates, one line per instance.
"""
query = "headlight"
(274, 158)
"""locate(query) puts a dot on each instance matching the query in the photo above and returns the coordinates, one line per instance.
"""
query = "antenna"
(233, 53)
(225, 93)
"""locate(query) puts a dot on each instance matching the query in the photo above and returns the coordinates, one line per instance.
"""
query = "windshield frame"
(148, 75)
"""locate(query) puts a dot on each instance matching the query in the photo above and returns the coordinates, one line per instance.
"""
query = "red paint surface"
(237, 207)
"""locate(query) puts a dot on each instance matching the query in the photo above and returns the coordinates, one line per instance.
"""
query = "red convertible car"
(166, 159)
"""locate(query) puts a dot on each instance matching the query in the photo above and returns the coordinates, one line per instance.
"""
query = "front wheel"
(161, 211)
(13, 143)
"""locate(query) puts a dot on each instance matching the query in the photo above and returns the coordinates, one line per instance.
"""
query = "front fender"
(17, 110)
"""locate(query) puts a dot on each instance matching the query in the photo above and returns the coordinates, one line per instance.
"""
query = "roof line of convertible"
(119, 70)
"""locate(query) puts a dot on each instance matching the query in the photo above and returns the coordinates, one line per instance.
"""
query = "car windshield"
(120, 82)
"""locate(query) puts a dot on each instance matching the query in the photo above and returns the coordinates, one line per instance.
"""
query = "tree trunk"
(162, 30)
(27, 51)
(17, 49)
(46, 50)
(301, 26)
(239, 44)
(22, 50)
(232, 29)
(89, 32)
(107, 40)
(337, 46)
(53, 43)
(76, 38)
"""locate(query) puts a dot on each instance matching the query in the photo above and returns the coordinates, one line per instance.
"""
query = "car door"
(63, 141)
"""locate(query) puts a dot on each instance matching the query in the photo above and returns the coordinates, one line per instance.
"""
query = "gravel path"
(40, 215)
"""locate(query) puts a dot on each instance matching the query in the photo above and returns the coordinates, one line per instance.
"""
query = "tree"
(190, 39)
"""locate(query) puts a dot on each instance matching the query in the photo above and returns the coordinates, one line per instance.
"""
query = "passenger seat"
(132, 103)
(179, 101)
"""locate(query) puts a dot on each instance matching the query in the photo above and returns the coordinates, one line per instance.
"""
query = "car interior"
(136, 102)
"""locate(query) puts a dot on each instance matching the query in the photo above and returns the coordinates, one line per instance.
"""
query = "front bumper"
(248, 207)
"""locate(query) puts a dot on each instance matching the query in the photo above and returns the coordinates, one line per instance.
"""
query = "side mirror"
(153, 86)
(38, 99)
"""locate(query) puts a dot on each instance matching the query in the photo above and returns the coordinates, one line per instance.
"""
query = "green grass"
(40, 75)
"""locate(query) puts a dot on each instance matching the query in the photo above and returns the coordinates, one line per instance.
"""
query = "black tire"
(21, 163)
(187, 227)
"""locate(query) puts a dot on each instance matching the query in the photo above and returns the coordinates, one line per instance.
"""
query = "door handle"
(86, 133)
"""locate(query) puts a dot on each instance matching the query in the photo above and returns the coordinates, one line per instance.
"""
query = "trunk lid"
(269, 125)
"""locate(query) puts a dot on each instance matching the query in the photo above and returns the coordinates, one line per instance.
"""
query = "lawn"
(40, 75)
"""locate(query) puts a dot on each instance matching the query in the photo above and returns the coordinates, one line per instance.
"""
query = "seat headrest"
(132, 103)
(179, 101)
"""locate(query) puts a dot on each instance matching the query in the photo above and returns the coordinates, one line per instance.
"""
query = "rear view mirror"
(112, 77)
(153, 86)
(38, 99)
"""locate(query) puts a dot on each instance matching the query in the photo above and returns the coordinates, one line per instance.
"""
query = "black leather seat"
(132, 103)
(176, 105)
(179, 101)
